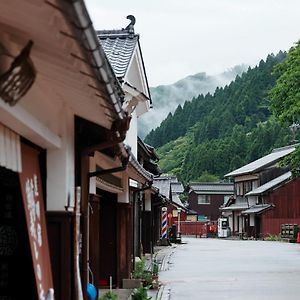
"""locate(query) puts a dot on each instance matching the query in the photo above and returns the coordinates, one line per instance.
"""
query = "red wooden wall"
(287, 208)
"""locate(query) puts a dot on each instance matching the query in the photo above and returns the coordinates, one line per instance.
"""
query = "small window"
(239, 189)
(203, 199)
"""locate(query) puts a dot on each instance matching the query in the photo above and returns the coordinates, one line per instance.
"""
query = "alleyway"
(225, 269)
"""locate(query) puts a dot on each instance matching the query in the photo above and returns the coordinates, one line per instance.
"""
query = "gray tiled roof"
(119, 46)
(256, 209)
(212, 188)
(164, 185)
(176, 200)
(177, 187)
(265, 161)
(235, 206)
(271, 184)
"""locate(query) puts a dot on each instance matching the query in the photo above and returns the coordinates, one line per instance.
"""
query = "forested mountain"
(219, 132)
(167, 97)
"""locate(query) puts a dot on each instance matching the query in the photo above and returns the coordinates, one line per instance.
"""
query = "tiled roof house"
(251, 183)
(206, 197)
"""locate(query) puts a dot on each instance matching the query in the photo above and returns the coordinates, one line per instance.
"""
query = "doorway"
(16, 270)
(107, 238)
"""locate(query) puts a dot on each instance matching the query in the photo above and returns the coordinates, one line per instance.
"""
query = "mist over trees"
(216, 133)
(167, 97)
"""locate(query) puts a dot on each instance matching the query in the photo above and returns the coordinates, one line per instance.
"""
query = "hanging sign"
(32, 195)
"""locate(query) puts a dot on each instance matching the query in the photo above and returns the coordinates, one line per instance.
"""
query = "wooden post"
(85, 222)
(77, 279)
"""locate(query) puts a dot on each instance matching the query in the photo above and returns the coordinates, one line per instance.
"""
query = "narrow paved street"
(226, 269)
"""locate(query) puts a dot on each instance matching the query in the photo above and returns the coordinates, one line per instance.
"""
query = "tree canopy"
(285, 99)
(285, 96)
(216, 133)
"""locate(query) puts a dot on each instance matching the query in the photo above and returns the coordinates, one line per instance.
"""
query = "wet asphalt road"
(226, 269)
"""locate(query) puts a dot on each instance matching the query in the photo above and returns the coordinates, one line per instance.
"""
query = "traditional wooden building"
(245, 208)
(277, 203)
(60, 104)
(148, 158)
(122, 194)
(206, 198)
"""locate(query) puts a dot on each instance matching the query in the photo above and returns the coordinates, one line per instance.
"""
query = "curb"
(163, 293)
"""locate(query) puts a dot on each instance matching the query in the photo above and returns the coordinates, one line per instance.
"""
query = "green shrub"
(109, 296)
(139, 269)
(141, 293)
(155, 268)
(273, 237)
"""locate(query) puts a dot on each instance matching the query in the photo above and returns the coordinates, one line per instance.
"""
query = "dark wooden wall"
(60, 235)
(147, 232)
(210, 210)
(94, 237)
(125, 242)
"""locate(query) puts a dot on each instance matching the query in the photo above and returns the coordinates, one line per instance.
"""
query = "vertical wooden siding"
(287, 208)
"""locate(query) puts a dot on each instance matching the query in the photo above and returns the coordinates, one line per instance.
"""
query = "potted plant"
(141, 293)
(136, 276)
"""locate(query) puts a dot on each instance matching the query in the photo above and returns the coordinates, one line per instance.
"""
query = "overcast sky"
(184, 37)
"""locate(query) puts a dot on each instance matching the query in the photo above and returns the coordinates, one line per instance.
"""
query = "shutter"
(10, 149)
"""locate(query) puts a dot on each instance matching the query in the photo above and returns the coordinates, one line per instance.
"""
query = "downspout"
(112, 170)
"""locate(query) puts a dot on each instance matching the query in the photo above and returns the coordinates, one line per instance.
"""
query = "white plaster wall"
(60, 165)
(124, 197)
(252, 200)
(240, 224)
(93, 182)
(230, 222)
(252, 220)
(131, 136)
(147, 200)
(134, 75)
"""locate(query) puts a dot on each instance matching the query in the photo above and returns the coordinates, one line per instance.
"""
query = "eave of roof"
(257, 209)
(263, 162)
(101, 64)
(235, 206)
(133, 162)
(211, 188)
(271, 184)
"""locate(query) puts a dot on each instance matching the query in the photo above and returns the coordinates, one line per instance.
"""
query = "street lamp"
(179, 211)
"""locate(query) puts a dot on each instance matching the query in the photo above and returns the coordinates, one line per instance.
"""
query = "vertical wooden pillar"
(85, 222)
(60, 236)
(124, 241)
(147, 231)
(94, 238)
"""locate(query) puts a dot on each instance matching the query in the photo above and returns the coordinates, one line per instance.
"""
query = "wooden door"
(107, 239)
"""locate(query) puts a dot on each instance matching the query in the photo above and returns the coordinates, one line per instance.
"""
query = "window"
(247, 186)
(203, 199)
(239, 189)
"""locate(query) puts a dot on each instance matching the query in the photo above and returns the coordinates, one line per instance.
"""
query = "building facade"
(206, 199)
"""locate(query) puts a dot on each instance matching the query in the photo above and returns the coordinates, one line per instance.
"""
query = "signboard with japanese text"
(30, 181)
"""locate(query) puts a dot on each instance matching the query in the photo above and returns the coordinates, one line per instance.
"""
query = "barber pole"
(164, 223)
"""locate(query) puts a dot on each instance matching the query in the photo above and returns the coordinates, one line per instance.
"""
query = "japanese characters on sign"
(35, 218)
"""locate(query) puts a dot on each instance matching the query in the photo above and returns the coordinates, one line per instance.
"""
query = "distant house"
(206, 199)
(171, 189)
(252, 183)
